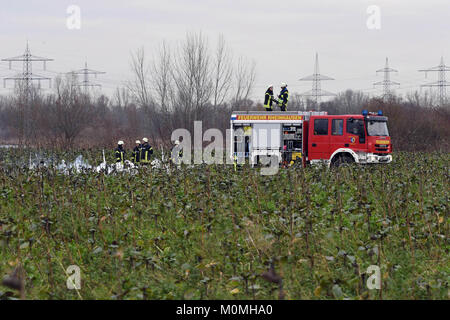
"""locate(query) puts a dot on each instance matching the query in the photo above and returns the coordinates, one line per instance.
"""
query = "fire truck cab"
(338, 139)
(310, 137)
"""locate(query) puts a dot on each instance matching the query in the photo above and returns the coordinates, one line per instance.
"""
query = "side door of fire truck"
(338, 139)
(319, 138)
(355, 134)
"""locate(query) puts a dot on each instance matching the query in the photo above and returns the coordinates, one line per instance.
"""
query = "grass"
(209, 233)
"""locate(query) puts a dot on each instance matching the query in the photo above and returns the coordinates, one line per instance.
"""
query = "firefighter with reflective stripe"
(137, 152)
(283, 97)
(146, 151)
(120, 152)
(268, 99)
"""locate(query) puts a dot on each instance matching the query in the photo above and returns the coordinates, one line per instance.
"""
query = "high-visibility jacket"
(284, 98)
(146, 152)
(268, 100)
(120, 154)
(137, 154)
(180, 155)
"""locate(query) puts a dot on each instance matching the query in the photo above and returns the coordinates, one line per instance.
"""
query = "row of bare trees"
(69, 119)
(187, 82)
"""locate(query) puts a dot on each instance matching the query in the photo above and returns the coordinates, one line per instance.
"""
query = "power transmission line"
(86, 83)
(316, 78)
(441, 83)
(27, 76)
(386, 83)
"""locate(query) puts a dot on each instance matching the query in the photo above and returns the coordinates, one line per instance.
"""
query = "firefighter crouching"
(137, 152)
(146, 152)
(120, 153)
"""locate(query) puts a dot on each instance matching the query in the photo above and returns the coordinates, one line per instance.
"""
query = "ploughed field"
(208, 232)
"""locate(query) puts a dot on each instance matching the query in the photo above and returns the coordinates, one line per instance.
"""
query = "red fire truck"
(310, 137)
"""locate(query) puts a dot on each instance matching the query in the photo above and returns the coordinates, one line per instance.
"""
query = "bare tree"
(139, 86)
(296, 102)
(245, 76)
(121, 97)
(72, 111)
(425, 99)
(26, 99)
(191, 76)
(163, 78)
(163, 84)
(222, 72)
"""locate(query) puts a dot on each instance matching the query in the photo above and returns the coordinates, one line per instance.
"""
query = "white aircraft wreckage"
(80, 165)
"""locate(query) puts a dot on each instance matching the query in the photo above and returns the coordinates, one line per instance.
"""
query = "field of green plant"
(209, 232)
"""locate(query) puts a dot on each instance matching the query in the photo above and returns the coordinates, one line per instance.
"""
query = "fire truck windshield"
(377, 128)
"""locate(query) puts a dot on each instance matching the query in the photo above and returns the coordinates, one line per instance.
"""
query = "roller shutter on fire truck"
(266, 136)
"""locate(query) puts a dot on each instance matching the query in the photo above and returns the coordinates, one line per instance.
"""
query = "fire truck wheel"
(342, 161)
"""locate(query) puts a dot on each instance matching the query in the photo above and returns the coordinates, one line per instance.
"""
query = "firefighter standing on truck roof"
(120, 152)
(268, 99)
(146, 151)
(137, 152)
(283, 97)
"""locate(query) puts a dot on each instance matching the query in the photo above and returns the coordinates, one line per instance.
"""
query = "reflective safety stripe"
(146, 155)
(119, 156)
(136, 156)
(269, 101)
(284, 98)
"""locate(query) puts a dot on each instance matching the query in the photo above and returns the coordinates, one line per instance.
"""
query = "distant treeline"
(80, 122)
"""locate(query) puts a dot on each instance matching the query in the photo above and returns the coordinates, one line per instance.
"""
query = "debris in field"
(81, 165)
(77, 166)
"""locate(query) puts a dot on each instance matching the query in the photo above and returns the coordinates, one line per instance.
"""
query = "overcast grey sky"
(281, 36)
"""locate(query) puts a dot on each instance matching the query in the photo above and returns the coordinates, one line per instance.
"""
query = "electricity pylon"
(386, 83)
(27, 76)
(441, 83)
(316, 78)
(86, 83)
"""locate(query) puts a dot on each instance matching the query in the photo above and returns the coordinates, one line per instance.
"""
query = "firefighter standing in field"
(268, 99)
(176, 160)
(137, 152)
(120, 152)
(283, 97)
(146, 152)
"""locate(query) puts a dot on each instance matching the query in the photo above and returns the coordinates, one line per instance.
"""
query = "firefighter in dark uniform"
(268, 99)
(283, 97)
(120, 152)
(146, 152)
(137, 152)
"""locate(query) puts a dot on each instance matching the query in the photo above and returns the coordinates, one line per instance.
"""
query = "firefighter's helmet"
(120, 143)
(145, 139)
(177, 142)
(283, 85)
(138, 142)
